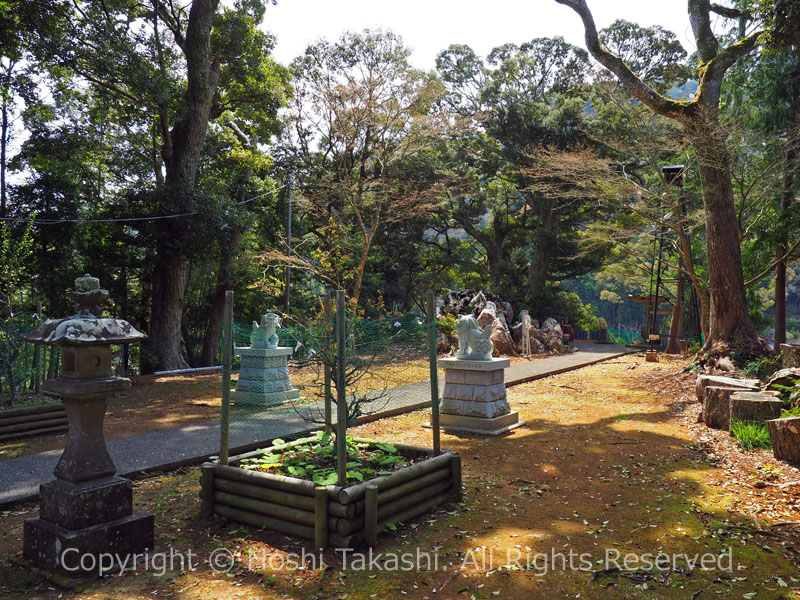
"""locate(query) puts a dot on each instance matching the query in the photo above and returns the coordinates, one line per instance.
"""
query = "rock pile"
(507, 332)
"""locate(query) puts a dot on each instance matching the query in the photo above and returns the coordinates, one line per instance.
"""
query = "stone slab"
(495, 426)
(474, 365)
(45, 544)
(257, 399)
(79, 506)
(264, 352)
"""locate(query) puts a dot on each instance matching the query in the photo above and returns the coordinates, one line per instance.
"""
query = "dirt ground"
(610, 469)
(154, 403)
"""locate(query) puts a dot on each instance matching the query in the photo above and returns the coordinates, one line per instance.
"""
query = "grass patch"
(750, 434)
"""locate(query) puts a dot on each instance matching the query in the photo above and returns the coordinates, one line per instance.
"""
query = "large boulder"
(501, 338)
(539, 335)
(555, 341)
(487, 315)
(552, 325)
(516, 334)
(537, 347)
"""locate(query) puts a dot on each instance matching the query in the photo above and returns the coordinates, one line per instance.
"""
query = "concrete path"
(171, 448)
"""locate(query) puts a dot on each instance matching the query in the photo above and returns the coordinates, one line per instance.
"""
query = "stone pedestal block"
(474, 398)
(78, 552)
(264, 377)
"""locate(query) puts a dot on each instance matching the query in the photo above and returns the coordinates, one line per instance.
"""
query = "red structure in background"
(568, 330)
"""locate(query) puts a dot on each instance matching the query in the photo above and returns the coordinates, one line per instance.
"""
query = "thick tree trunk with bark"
(730, 327)
(790, 167)
(676, 325)
(181, 150)
(164, 336)
(211, 339)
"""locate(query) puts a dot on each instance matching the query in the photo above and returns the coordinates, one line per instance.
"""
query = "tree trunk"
(3, 149)
(164, 338)
(730, 327)
(211, 339)
(182, 146)
(787, 194)
(676, 325)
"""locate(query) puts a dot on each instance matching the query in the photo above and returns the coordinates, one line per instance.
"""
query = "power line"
(128, 219)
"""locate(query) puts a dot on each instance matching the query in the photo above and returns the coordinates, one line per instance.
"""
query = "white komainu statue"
(471, 337)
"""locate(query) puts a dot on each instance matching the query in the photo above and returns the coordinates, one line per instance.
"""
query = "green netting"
(622, 336)
(387, 365)
(23, 367)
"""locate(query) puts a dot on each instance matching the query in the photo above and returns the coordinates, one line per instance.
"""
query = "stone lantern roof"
(87, 327)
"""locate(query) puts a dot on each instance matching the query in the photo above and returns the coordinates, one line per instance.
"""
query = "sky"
(429, 26)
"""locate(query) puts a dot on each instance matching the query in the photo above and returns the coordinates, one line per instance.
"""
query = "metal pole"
(288, 243)
(432, 356)
(341, 393)
(227, 349)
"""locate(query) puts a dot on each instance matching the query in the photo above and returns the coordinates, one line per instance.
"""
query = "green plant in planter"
(315, 459)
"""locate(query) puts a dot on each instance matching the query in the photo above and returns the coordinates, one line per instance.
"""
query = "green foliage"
(750, 435)
(315, 459)
(15, 252)
(792, 412)
(763, 367)
(446, 324)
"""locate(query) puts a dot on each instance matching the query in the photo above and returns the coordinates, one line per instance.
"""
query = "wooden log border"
(29, 421)
(332, 515)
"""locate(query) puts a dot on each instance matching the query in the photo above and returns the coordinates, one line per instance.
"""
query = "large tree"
(730, 327)
(173, 68)
(361, 113)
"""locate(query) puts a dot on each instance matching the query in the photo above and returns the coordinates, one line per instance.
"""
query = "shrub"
(446, 325)
(763, 367)
(750, 434)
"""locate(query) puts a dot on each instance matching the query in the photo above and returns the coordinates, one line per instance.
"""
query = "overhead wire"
(128, 219)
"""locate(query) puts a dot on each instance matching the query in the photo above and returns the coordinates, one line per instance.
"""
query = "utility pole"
(288, 244)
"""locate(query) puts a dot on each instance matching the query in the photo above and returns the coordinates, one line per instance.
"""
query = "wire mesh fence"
(23, 366)
(385, 365)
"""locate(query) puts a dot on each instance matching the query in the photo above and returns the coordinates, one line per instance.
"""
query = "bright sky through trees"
(429, 26)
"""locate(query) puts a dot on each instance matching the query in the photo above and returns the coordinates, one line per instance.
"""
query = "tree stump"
(745, 385)
(754, 406)
(791, 355)
(717, 407)
(785, 437)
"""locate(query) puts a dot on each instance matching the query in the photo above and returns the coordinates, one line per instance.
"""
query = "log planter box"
(32, 420)
(784, 434)
(339, 517)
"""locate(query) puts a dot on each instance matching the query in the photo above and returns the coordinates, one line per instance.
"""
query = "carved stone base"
(264, 377)
(58, 549)
(474, 398)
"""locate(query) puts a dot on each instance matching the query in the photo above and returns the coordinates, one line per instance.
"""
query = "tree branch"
(662, 105)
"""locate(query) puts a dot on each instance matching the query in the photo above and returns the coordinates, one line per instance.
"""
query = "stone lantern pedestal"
(87, 511)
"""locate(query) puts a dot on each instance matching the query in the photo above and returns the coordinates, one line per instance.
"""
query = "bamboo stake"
(326, 366)
(227, 349)
(432, 356)
(341, 394)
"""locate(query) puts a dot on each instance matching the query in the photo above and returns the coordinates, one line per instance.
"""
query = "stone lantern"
(87, 509)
